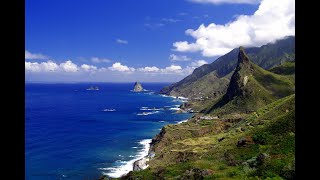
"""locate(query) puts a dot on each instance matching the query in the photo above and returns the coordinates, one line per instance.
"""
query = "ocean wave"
(109, 110)
(163, 95)
(150, 109)
(147, 113)
(175, 109)
(127, 166)
(182, 121)
(162, 121)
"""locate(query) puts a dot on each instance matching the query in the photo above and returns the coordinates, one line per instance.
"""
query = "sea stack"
(137, 87)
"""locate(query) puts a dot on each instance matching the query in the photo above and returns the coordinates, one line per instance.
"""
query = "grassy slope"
(264, 87)
(216, 88)
(195, 145)
(285, 68)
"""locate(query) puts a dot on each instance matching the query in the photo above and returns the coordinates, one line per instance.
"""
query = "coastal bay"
(73, 133)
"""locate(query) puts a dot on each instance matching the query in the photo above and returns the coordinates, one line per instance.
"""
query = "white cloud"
(69, 66)
(119, 67)
(120, 41)
(226, 1)
(88, 68)
(100, 60)
(33, 67)
(172, 69)
(149, 69)
(272, 21)
(174, 57)
(198, 63)
(48, 66)
(29, 55)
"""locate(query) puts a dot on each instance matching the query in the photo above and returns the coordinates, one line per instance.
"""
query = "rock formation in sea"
(137, 87)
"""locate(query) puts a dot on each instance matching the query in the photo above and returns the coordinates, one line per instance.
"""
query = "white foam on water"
(109, 110)
(182, 121)
(147, 113)
(149, 109)
(127, 166)
(175, 109)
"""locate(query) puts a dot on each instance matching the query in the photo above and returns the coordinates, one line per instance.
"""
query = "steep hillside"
(258, 146)
(286, 68)
(266, 56)
(250, 88)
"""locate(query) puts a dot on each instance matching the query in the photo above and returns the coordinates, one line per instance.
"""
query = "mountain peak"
(239, 79)
(242, 56)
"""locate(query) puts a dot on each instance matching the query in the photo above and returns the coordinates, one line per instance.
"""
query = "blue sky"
(145, 40)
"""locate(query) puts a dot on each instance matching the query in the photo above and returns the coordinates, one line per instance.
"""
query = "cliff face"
(137, 87)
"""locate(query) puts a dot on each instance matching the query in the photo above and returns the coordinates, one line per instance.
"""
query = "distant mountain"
(211, 80)
(251, 87)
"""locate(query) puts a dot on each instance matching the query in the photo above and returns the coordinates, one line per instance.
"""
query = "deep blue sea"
(74, 133)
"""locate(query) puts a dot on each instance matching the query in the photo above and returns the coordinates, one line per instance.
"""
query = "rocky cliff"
(137, 87)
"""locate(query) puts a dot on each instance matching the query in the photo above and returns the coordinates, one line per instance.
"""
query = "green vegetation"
(285, 68)
(270, 154)
(253, 136)
(250, 88)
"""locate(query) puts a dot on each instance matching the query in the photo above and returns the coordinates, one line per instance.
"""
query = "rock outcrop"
(140, 164)
(137, 87)
(240, 77)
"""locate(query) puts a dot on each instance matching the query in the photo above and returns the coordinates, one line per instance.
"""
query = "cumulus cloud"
(29, 55)
(88, 68)
(33, 67)
(226, 1)
(272, 21)
(149, 69)
(115, 70)
(198, 63)
(120, 41)
(69, 66)
(100, 60)
(174, 57)
(173, 69)
(48, 66)
(119, 67)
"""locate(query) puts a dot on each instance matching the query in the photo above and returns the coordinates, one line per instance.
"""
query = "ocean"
(75, 133)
